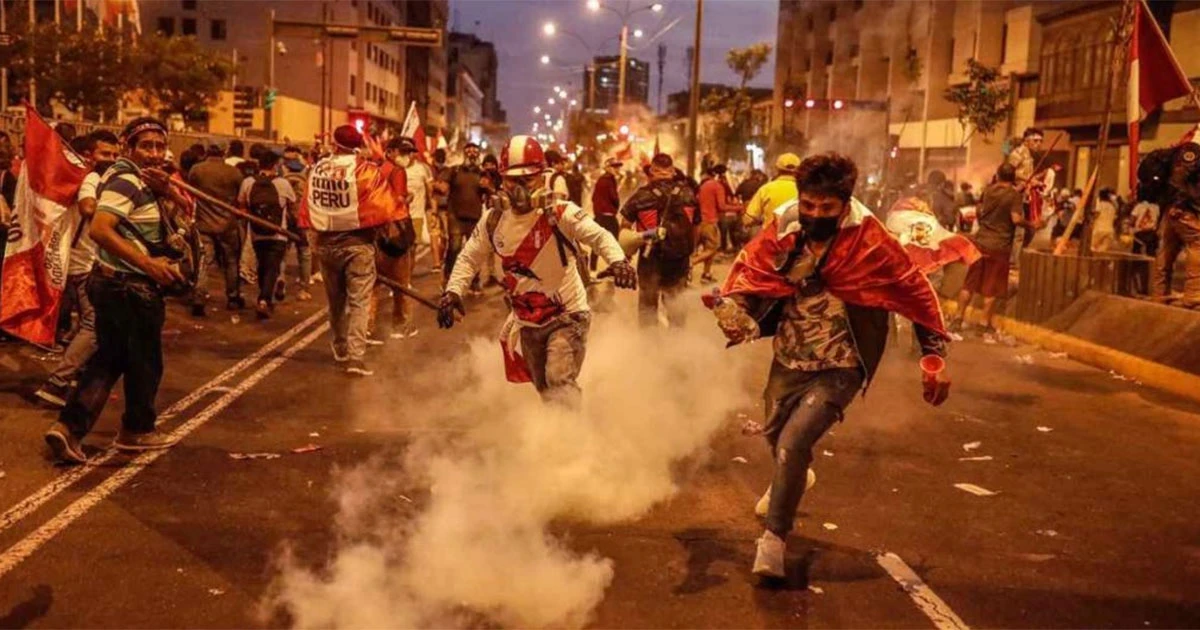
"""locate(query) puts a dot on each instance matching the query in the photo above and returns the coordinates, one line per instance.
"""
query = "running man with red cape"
(821, 279)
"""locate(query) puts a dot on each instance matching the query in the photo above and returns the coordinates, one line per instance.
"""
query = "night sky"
(515, 27)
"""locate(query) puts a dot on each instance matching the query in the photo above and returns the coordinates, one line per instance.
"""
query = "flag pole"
(1119, 67)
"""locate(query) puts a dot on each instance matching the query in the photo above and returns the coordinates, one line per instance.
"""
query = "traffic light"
(269, 98)
(839, 104)
(360, 119)
(245, 99)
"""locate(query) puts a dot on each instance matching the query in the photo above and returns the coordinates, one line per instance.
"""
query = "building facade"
(603, 94)
(319, 83)
(894, 59)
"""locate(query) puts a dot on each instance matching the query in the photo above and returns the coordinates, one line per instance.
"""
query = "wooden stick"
(1075, 217)
(396, 286)
(266, 225)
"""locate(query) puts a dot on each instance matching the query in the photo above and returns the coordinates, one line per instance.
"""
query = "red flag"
(1154, 77)
(35, 266)
(413, 130)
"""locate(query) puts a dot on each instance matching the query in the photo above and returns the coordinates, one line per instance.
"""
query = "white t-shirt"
(420, 178)
(83, 251)
(546, 281)
(1145, 217)
(234, 160)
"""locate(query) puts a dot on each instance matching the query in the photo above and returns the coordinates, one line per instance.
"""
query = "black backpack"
(574, 186)
(265, 204)
(675, 240)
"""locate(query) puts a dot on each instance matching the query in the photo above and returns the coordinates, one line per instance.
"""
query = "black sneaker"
(358, 368)
(66, 447)
(150, 441)
(53, 394)
(263, 310)
(341, 356)
(280, 290)
(235, 303)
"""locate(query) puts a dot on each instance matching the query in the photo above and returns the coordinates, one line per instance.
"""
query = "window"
(353, 81)
(166, 25)
(187, 26)
(189, 5)
(218, 31)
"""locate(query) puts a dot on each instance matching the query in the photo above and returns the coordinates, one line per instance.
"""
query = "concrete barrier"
(1155, 344)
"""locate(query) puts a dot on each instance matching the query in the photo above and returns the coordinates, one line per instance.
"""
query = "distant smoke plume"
(474, 546)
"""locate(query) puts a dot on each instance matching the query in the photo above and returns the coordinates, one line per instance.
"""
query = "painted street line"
(26, 547)
(31, 503)
(927, 601)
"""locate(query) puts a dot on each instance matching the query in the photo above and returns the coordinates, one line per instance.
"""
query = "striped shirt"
(125, 195)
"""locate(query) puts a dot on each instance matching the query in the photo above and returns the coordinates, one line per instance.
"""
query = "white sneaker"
(764, 502)
(768, 561)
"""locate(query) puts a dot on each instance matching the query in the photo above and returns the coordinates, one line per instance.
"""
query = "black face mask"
(819, 228)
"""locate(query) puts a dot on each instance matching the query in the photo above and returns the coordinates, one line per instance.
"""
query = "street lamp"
(550, 101)
(624, 16)
(537, 109)
(574, 102)
(549, 28)
(545, 60)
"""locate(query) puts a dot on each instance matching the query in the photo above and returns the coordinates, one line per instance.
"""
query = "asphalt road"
(1094, 520)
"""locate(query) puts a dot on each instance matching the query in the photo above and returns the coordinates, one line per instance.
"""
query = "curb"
(1157, 375)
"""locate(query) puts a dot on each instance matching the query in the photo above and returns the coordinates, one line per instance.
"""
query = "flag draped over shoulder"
(1154, 77)
(866, 266)
(36, 262)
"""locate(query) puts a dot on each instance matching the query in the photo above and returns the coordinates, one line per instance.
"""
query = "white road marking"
(927, 601)
(31, 503)
(978, 491)
(25, 547)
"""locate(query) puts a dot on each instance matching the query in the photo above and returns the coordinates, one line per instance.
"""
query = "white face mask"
(404, 159)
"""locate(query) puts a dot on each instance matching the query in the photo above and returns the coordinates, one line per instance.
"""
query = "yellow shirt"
(770, 196)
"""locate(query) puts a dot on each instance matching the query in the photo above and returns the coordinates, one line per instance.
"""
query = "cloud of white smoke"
(476, 544)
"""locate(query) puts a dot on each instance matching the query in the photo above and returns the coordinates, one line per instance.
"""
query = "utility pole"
(925, 107)
(269, 110)
(662, 62)
(621, 71)
(694, 96)
(4, 70)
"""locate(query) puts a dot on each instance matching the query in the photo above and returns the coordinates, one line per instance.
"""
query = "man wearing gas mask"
(1180, 229)
(533, 231)
(821, 277)
(133, 208)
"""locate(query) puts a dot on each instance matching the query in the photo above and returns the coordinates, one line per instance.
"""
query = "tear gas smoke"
(475, 546)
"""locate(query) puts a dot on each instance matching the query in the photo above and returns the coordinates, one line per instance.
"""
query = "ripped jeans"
(800, 408)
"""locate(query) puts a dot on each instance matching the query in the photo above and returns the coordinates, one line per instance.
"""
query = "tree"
(76, 69)
(983, 101)
(178, 76)
(730, 109)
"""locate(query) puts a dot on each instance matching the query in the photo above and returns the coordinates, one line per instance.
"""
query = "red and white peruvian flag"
(929, 245)
(35, 262)
(414, 130)
(1154, 77)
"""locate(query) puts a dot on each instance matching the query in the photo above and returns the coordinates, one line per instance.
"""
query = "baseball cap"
(346, 136)
(787, 162)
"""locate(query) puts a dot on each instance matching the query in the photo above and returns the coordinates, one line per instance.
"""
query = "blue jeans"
(800, 408)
